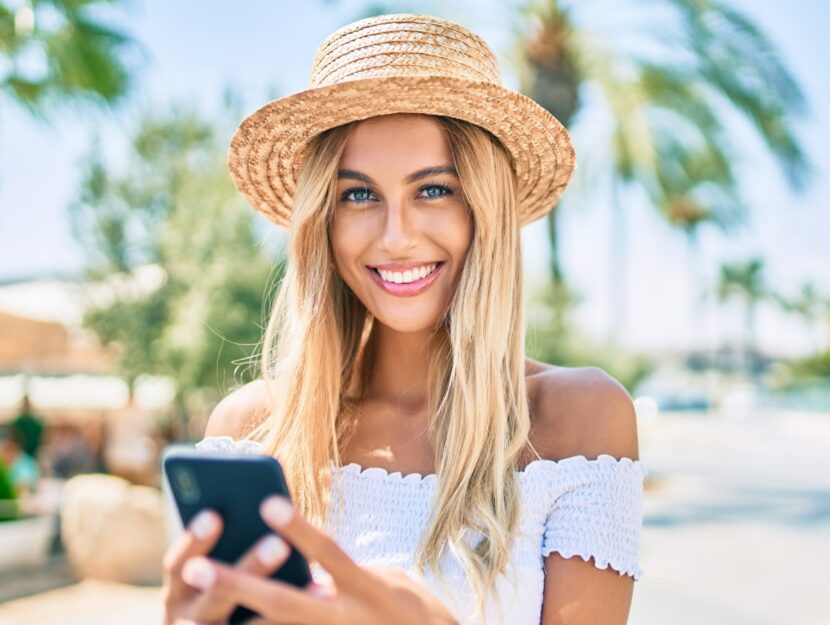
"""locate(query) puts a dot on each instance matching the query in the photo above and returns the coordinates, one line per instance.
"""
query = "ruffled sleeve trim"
(597, 512)
(620, 566)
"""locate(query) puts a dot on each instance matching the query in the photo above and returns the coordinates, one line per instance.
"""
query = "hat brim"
(267, 149)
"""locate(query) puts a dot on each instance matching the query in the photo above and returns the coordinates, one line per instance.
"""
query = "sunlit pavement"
(87, 603)
(737, 531)
(740, 532)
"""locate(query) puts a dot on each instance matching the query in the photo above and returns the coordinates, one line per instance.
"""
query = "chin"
(409, 324)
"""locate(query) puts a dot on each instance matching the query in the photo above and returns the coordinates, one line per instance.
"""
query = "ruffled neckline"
(227, 443)
(532, 467)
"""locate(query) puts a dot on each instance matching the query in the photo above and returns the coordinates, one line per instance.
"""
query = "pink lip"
(404, 266)
(406, 290)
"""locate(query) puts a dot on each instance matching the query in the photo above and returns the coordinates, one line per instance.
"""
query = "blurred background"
(689, 258)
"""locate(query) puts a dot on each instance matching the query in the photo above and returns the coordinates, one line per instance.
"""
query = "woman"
(437, 474)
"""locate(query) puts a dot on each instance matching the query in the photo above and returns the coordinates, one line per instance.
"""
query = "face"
(401, 228)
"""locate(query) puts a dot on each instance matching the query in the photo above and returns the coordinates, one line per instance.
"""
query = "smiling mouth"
(409, 276)
(406, 283)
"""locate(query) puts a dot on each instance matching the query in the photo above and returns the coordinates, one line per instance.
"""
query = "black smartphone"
(233, 485)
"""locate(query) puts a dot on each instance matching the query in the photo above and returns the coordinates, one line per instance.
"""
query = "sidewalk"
(737, 524)
(86, 603)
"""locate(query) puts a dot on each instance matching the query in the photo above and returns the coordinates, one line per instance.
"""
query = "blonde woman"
(438, 475)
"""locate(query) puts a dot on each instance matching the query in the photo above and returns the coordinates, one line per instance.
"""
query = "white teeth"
(410, 275)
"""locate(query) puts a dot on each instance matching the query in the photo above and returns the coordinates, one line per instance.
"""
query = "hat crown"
(403, 44)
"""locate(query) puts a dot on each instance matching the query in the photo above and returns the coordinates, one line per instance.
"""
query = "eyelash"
(448, 191)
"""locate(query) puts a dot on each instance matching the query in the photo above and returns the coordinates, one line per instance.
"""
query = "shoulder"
(580, 411)
(239, 412)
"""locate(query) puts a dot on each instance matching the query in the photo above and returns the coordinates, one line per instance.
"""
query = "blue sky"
(263, 48)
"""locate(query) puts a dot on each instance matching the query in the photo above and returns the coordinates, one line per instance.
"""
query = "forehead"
(398, 140)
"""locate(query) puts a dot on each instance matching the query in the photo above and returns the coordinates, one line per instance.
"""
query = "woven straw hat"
(401, 63)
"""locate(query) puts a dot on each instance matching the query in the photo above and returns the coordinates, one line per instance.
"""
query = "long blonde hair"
(318, 351)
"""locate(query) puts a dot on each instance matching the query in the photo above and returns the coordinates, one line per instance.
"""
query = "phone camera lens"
(186, 485)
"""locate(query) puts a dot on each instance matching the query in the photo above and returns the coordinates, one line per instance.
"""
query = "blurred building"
(71, 380)
(40, 330)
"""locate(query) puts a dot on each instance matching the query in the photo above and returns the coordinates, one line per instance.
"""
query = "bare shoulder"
(580, 411)
(240, 411)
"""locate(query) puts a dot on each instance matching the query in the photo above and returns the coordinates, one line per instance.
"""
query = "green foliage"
(9, 508)
(744, 280)
(812, 305)
(135, 326)
(813, 366)
(175, 208)
(666, 100)
(80, 57)
(553, 337)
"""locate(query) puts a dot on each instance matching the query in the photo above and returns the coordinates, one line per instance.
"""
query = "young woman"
(438, 475)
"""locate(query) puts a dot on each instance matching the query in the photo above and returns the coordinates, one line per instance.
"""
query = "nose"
(398, 234)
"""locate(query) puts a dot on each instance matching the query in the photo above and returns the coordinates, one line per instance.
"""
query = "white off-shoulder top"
(573, 506)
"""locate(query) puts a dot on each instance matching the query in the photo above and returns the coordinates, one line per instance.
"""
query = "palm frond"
(739, 63)
(85, 58)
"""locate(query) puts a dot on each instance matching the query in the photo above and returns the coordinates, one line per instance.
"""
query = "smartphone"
(233, 485)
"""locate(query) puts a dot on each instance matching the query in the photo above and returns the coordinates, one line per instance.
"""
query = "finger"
(265, 557)
(278, 512)
(273, 600)
(321, 589)
(199, 538)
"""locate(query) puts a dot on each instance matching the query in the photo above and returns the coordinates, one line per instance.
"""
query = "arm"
(601, 420)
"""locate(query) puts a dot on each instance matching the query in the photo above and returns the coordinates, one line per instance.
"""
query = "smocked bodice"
(591, 508)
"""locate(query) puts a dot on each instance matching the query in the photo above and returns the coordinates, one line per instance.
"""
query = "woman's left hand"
(353, 594)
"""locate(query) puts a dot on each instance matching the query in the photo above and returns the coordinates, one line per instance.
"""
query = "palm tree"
(745, 280)
(810, 305)
(54, 51)
(665, 102)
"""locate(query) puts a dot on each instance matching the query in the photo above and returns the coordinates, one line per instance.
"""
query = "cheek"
(345, 245)
(459, 234)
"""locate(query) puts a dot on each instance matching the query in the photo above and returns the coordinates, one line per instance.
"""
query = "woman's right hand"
(184, 602)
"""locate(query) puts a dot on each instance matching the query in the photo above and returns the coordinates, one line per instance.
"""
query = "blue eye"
(446, 190)
(361, 194)
(359, 190)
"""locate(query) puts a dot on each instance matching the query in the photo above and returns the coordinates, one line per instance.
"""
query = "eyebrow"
(421, 173)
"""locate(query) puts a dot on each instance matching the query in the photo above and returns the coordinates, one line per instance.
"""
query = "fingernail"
(278, 510)
(271, 550)
(318, 590)
(198, 572)
(203, 525)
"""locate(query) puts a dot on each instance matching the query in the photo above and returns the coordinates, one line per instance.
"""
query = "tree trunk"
(616, 266)
(556, 274)
(749, 344)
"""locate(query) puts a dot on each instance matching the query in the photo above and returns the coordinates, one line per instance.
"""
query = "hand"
(352, 594)
(182, 600)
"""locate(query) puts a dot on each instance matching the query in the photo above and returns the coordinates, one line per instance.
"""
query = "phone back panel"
(233, 486)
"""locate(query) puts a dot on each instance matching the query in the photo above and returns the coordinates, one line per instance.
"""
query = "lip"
(406, 290)
(404, 266)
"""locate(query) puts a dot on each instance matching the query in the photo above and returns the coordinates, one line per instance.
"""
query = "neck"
(401, 367)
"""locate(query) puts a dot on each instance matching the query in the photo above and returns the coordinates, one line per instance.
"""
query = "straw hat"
(397, 64)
